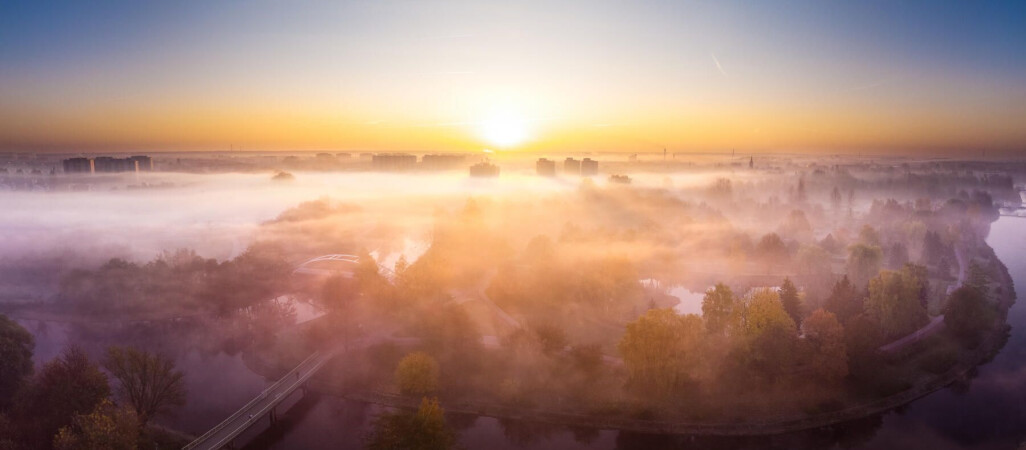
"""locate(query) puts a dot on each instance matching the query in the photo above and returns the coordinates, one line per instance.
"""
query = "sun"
(504, 129)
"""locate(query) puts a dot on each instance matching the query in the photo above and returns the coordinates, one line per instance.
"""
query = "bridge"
(346, 268)
(265, 404)
(349, 263)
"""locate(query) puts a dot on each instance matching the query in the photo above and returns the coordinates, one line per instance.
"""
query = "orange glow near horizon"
(591, 77)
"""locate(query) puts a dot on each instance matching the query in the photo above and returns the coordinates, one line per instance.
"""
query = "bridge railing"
(254, 401)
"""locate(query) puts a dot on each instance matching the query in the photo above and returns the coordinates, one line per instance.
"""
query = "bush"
(417, 374)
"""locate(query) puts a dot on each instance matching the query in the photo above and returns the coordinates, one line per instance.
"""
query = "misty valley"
(717, 301)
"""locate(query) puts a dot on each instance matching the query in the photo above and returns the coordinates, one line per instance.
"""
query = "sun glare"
(504, 129)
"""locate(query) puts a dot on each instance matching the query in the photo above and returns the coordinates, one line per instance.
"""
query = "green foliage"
(863, 263)
(761, 312)
(661, 349)
(16, 345)
(587, 359)
(824, 336)
(148, 382)
(62, 389)
(813, 259)
(862, 337)
(869, 236)
(967, 313)
(977, 279)
(452, 337)
(895, 303)
(717, 306)
(107, 427)
(844, 301)
(765, 337)
(772, 251)
(424, 430)
(552, 338)
(791, 302)
(177, 281)
(417, 374)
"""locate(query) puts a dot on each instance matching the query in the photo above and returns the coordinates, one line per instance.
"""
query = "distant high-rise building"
(484, 170)
(145, 162)
(589, 167)
(545, 167)
(78, 165)
(572, 166)
(393, 162)
(107, 164)
(442, 162)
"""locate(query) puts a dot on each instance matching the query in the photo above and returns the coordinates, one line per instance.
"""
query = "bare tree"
(147, 381)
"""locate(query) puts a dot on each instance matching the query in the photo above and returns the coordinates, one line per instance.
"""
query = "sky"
(769, 76)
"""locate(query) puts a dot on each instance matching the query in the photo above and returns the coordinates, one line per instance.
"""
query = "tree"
(62, 389)
(897, 255)
(835, 199)
(813, 259)
(717, 306)
(863, 263)
(862, 337)
(16, 345)
(338, 293)
(977, 279)
(797, 226)
(367, 273)
(106, 427)
(869, 236)
(552, 338)
(765, 335)
(761, 312)
(661, 349)
(149, 382)
(824, 336)
(772, 250)
(424, 430)
(791, 302)
(417, 374)
(967, 313)
(894, 303)
(844, 301)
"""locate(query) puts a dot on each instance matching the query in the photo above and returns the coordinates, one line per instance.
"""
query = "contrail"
(718, 66)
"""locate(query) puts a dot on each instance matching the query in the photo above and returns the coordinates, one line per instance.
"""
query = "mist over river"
(988, 414)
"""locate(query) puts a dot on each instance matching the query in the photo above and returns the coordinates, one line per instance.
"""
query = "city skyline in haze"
(798, 76)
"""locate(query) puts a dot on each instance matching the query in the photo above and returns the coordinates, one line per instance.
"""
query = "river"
(988, 414)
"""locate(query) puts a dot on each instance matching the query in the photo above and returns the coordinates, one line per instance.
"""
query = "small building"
(484, 170)
(619, 179)
(589, 167)
(545, 167)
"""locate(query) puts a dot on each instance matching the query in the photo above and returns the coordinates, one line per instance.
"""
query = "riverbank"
(962, 370)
